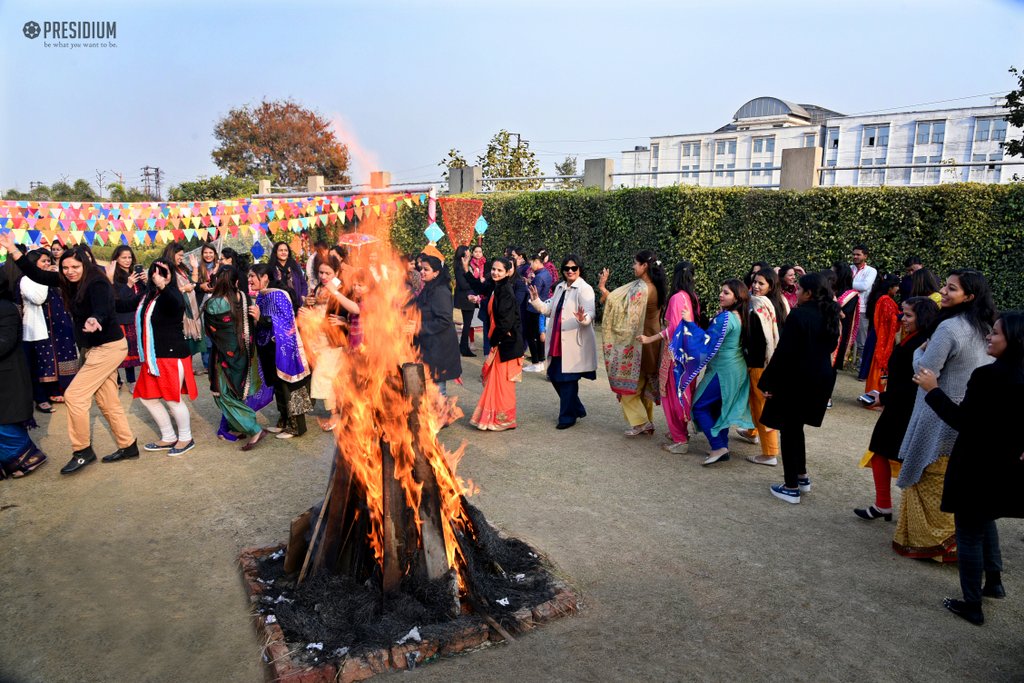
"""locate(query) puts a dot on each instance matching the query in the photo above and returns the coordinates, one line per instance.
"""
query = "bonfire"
(395, 555)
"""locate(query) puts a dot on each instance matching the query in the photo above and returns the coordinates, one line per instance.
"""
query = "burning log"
(413, 539)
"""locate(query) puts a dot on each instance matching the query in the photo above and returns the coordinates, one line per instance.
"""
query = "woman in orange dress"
(496, 410)
(884, 316)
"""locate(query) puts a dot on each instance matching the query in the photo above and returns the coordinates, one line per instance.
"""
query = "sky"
(404, 82)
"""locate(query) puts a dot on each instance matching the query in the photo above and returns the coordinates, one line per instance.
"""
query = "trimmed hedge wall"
(724, 230)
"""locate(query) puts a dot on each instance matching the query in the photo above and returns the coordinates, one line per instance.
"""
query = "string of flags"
(103, 223)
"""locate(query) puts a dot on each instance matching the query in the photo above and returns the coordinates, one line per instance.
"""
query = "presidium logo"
(72, 34)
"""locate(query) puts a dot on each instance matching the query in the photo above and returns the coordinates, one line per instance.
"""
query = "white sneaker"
(285, 435)
(534, 367)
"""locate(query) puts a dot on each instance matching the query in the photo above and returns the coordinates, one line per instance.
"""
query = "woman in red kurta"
(886, 323)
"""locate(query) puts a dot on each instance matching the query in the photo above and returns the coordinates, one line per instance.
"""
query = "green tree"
(60, 191)
(1015, 103)
(280, 140)
(217, 187)
(453, 159)
(503, 159)
(568, 167)
(121, 194)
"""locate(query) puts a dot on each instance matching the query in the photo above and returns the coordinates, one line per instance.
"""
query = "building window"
(999, 130)
(930, 132)
(833, 138)
(732, 146)
(923, 134)
(876, 136)
(810, 139)
(654, 151)
(769, 146)
(758, 145)
(990, 129)
(757, 168)
(718, 170)
(720, 147)
(731, 174)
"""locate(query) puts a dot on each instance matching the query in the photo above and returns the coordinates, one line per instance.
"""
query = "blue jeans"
(706, 411)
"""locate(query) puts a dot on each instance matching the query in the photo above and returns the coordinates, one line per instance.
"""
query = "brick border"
(286, 669)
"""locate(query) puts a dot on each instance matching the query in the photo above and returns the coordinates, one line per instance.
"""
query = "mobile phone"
(336, 282)
(138, 269)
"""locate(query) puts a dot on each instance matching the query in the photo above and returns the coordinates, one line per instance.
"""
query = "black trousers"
(531, 326)
(977, 550)
(296, 424)
(467, 326)
(794, 452)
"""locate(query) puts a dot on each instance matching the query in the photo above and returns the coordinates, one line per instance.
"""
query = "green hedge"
(724, 230)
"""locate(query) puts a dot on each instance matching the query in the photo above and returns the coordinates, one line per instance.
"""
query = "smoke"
(362, 160)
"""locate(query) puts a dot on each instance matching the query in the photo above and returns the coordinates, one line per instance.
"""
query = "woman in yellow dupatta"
(496, 410)
(632, 310)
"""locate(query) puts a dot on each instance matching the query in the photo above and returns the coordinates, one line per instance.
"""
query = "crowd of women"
(943, 367)
(937, 359)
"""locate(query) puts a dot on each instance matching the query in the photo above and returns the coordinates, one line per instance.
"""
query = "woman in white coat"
(570, 347)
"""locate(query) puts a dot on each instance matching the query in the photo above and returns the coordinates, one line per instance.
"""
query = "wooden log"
(297, 543)
(395, 524)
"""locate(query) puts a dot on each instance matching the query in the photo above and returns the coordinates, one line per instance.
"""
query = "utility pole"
(33, 184)
(100, 175)
(159, 176)
(146, 177)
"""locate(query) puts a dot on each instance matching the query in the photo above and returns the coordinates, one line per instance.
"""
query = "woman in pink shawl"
(683, 304)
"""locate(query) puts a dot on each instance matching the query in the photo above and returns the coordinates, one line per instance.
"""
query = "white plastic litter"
(414, 634)
(341, 652)
(277, 555)
(271, 619)
(503, 602)
(520, 577)
(315, 646)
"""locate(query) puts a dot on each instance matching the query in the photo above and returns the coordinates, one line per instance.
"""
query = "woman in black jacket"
(19, 456)
(129, 286)
(89, 299)
(799, 379)
(496, 410)
(466, 298)
(919, 314)
(436, 337)
(166, 369)
(985, 477)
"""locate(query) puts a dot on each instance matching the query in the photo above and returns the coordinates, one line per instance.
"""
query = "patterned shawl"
(764, 311)
(842, 301)
(624, 313)
(289, 354)
(693, 348)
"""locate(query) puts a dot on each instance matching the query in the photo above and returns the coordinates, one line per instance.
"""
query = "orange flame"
(373, 407)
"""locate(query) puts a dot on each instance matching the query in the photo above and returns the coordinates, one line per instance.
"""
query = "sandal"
(25, 465)
(45, 407)
(56, 399)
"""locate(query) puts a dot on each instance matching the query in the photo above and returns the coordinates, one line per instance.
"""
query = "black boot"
(79, 459)
(130, 451)
(971, 611)
(994, 586)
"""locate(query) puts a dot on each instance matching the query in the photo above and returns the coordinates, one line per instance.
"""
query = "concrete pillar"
(800, 168)
(469, 179)
(380, 179)
(598, 173)
(263, 186)
(315, 184)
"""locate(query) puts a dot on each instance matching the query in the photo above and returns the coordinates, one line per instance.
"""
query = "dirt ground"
(127, 572)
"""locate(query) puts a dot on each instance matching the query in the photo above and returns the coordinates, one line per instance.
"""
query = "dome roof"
(770, 106)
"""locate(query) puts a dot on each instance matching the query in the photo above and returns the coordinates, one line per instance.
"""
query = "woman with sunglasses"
(570, 347)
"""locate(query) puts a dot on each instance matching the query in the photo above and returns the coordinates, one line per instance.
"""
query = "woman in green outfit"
(234, 370)
(721, 399)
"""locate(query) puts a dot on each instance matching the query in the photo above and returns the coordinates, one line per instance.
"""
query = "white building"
(748, 151)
